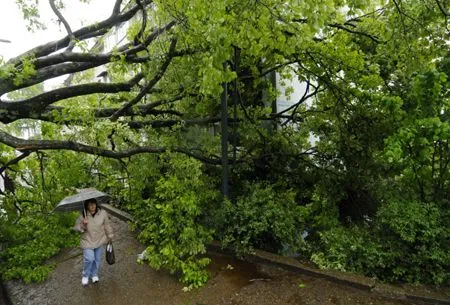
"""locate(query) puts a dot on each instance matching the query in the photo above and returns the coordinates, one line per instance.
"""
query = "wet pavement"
(233, 282)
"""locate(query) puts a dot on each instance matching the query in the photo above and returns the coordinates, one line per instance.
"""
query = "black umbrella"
(76, 202)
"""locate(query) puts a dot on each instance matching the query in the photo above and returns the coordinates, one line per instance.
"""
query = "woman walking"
(95, 225)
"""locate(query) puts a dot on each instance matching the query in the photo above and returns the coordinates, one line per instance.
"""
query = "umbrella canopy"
(76, 202)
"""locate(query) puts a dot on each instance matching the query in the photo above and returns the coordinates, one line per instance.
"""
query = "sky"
(13, 27)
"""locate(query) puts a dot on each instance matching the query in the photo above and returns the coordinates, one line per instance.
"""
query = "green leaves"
(418, 145)
(375, 129)
(262, 215)
(31, 14)
(406, 242)
(170, 221)
(31, 242)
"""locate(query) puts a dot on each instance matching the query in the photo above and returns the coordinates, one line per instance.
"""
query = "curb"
(124, 216)
(346, 279)
(291, 264)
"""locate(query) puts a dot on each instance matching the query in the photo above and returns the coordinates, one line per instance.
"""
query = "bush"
(170, 225)
(263, 217)
(408, 242)
(419, 233)
(31, 241)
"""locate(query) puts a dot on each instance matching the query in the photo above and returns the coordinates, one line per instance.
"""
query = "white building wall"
(285, 100)
(296, 92)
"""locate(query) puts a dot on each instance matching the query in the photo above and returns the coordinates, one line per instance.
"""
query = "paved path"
(127, 282)
(232, 282)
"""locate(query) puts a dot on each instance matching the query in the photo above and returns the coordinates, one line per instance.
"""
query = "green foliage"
(380, 122)
(31, 241)
(27, 71)
(417, 234)
(419, 146)
(169, 220)
(31, 14)
(262, 215)
(407, 241)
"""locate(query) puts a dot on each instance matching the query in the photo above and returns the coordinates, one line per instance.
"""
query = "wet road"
(233, 282)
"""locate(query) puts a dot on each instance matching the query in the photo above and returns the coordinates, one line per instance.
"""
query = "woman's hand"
(84, 223)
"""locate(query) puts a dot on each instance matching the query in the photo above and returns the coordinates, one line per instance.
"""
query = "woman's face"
(91, 207)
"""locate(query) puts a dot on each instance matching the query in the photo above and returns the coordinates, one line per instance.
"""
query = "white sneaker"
(95, 279)
(84, 280)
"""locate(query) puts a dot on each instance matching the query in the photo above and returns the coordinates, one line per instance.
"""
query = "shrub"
(170, 224)
(261, 216)
(408, 241)
(31, 241)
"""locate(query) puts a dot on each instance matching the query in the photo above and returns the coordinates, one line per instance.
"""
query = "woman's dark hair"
(86, 203)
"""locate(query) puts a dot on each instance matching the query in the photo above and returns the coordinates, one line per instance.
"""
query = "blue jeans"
(91, 261)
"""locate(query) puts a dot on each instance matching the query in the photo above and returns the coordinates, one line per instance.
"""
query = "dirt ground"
(233, 282)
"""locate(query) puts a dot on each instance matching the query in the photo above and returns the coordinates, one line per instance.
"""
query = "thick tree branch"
(8, 85)
(33, 107)
(73, 57)
(28, 146)
(51, 66)
(128, 50)
(49, 114)
(80, 34)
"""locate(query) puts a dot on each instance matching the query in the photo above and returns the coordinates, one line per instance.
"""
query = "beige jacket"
(98, 230)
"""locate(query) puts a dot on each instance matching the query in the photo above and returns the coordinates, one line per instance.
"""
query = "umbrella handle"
(84, 218)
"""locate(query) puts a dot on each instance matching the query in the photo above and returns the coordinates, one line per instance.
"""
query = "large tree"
(141, 108)
(168, 72)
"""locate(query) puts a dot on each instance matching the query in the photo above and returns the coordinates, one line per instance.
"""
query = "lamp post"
(224, 137)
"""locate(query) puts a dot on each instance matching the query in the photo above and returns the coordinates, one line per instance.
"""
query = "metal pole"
(235, 100)
(224, 129)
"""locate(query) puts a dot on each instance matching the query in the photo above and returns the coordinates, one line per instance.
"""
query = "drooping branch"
(28, 146)
(34, 106)
(48, 64)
